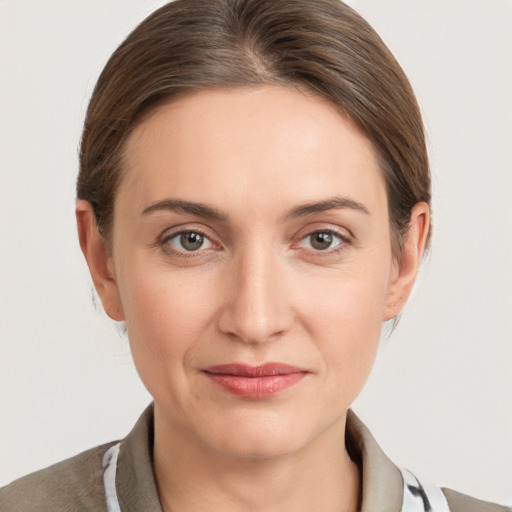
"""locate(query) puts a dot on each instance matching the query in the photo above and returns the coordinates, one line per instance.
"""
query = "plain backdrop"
(440, 398)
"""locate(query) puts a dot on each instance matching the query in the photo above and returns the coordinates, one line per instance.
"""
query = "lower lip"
(256, 387)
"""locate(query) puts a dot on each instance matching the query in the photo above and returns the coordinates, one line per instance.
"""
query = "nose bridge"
(257, 309)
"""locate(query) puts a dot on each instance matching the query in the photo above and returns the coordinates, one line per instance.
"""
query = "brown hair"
(321, 45)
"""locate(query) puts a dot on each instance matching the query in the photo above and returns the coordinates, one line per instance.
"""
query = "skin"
(257, 290)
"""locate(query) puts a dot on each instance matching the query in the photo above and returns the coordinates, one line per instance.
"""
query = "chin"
(262, 436)
(258, 447)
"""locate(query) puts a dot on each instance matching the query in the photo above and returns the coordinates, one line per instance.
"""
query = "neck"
(193, 478)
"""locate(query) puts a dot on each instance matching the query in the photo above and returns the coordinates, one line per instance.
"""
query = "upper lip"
(248, 370)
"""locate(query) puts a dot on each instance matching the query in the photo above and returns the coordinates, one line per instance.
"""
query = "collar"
(382, 483)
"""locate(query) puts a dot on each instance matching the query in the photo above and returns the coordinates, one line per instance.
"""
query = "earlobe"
(100, 263)
(404, 275)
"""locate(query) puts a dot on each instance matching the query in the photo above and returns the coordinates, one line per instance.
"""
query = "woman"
(253, 202)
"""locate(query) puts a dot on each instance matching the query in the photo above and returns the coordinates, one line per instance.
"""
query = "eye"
(188, 241)
(322, 240)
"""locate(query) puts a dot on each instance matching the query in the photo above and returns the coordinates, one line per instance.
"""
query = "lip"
(255, 382)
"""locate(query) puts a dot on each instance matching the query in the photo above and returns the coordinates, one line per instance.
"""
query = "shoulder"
(462, 503)
(399, 489)
(73, 484)
(420, 496)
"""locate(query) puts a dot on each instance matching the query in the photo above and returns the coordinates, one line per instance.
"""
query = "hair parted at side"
(319, 45)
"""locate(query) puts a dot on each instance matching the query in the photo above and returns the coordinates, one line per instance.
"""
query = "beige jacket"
(77, 484)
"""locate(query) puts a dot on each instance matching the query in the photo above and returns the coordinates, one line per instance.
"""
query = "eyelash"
(343, 242)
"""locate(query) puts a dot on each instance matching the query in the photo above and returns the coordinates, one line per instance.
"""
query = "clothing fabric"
(118, 477)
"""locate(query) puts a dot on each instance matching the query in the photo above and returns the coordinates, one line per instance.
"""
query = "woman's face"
(252, 261)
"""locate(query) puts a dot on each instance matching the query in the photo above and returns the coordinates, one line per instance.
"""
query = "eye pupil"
(321, 240)
(191, 241)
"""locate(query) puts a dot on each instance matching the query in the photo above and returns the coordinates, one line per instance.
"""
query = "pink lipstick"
(255, 382)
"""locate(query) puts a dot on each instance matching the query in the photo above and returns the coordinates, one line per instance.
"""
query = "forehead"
(248, 141)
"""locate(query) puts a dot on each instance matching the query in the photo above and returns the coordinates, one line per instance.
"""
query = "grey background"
(440, 398)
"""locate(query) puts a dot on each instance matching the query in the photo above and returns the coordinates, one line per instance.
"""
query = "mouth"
(255, 382)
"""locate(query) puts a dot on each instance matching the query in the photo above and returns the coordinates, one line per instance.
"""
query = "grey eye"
(321, 240)
(189, 241)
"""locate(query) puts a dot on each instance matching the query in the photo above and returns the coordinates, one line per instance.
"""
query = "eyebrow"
(333, 203)
(210, 212)
(177, 205)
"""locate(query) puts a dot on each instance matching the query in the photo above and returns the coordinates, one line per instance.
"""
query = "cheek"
(353, 336)
(345, 317)
(166, 318)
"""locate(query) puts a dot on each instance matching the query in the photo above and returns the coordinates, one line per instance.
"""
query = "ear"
(405, 271)
(100, 262)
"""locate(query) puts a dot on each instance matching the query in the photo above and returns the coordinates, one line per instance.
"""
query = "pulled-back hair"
(319, 45)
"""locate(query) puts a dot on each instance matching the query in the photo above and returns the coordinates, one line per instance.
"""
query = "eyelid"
(324, 227)
(186, 227)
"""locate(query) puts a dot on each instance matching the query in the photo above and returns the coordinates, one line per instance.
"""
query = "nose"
(257, 306)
